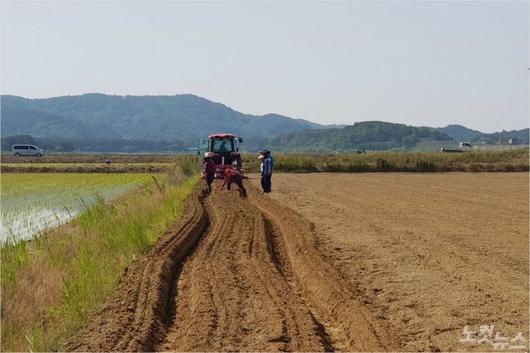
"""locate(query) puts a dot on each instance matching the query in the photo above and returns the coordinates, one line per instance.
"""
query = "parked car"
(463, 147)
(27, 150)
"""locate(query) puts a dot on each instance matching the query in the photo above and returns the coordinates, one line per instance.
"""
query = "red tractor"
(224, 151)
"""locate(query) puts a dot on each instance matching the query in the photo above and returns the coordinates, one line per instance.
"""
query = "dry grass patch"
(476, 161)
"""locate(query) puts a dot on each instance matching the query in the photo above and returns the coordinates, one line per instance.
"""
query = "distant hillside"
(181, 117)
(378, 135)
(98, 122)
(369, 135)
(462, 133)
(459, 132)
(503, 137)
(19, 121)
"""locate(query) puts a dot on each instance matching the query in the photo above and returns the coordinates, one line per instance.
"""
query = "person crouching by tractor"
(266, 170)
(208, 171)
(234, 176)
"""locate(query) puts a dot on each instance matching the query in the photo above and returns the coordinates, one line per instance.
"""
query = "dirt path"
(234, 275)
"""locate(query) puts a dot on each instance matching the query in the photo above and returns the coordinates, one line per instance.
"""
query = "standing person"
(261, 158)
(234, 176)
(272, 168)
(266, 171)
(208, 171)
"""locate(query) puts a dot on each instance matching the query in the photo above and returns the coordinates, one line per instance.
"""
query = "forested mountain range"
(99, 122)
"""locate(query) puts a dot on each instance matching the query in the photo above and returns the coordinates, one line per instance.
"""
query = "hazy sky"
(420, 63)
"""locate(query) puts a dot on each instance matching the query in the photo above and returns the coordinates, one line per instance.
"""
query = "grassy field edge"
(516, 160)
(51, 284)
(476, 161)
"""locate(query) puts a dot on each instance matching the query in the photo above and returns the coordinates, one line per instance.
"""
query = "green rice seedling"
(53, 282)
(33, 203)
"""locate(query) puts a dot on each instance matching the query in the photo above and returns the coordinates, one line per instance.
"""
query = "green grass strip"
(51, 284)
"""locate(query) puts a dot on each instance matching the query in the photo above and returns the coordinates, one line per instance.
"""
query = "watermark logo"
(486, 335)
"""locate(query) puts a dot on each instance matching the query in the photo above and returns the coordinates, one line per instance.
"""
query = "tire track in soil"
(233, 275)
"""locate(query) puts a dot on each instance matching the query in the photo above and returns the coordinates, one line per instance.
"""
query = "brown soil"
(235, 274)
(429, 253)
(388, 262)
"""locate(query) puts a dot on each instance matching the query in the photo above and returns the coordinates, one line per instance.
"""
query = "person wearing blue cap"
(267, 165)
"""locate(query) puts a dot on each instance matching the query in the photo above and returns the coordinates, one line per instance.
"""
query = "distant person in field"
(267, 165)
(234, 176)
(208, 171)
(269, 155)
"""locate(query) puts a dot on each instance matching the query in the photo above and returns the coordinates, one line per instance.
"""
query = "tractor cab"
(224, 149)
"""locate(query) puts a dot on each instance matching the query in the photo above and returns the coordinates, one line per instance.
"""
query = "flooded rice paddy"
(34, 202)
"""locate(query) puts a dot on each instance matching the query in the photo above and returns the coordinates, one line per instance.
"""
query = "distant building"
(514, 141)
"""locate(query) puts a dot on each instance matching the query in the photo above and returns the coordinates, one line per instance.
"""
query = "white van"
(27, 150)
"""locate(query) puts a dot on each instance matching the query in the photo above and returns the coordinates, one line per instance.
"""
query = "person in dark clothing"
(270, 168)
(261, 157)
(208, 171)
(266, 171)
(234, 176)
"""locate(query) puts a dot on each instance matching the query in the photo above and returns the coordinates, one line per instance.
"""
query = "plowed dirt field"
(234, 274)
(428, 252)
(329, 262)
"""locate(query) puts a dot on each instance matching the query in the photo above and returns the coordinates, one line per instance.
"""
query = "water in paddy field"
(32, 204)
